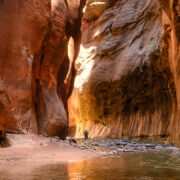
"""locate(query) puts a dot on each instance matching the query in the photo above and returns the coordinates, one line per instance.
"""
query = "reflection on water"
(25, 172)
(129, 166)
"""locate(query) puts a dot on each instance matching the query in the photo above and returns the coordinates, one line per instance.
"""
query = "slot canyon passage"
(111, 67)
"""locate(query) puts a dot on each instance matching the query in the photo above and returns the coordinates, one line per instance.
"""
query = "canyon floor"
(49, 150)
(27, 152)
(35, 157)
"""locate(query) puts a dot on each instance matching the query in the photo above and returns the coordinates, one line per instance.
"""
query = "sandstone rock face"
(171, 52)
(34, 63)
(126, 82)
(23, 27)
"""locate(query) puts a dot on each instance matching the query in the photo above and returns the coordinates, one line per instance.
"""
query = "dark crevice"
(73, 27)
(66, 4)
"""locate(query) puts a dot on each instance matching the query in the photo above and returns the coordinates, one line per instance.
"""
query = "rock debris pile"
(114, 146)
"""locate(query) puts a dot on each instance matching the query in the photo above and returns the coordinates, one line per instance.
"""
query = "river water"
(124, 166)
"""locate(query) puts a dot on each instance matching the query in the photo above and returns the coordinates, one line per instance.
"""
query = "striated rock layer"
(127, 81)
(171, 52)
(34, 63)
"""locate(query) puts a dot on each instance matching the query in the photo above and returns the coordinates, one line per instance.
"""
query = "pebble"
(114, 146)
(126, 140)
(150, 145)
(95, 144)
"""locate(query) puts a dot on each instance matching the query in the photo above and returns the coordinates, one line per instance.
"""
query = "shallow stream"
(124, 166)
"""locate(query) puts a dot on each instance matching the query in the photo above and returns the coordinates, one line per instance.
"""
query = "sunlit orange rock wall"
(127, 70)
(34, 62)
(171, 51)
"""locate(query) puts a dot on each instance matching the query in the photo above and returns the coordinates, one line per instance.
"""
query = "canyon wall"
(124, 82)
(170, 47)
(34, 63)
(127, 79)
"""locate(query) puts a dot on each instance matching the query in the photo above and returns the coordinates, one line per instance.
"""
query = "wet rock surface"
(114, 146)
